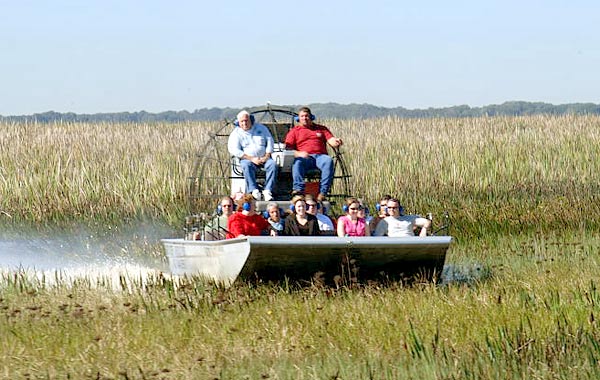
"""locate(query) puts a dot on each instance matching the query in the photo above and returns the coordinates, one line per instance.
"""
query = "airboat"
(263, 258)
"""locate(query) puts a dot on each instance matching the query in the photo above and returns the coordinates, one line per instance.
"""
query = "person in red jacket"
(246, 222)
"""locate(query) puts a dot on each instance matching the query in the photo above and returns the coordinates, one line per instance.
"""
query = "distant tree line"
(323, 111)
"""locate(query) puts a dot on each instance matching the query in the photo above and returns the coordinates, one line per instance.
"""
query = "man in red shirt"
(308, 140)
(246, 222)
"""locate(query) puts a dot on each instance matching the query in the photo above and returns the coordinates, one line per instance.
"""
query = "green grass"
(533, 315)
(523, 194)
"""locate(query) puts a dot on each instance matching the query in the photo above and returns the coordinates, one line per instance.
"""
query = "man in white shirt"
(252, 143)
(399, 225)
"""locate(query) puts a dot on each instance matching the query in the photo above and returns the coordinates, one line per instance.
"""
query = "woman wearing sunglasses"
(351, 224)
(300, 223)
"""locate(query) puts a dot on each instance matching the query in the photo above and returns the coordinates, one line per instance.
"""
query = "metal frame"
(211, 173)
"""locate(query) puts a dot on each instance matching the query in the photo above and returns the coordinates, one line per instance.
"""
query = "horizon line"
(309, 104)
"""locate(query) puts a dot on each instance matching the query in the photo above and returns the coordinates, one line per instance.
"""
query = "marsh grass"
(494, 175)
(522, 193)
(534, 317)
(53, 172)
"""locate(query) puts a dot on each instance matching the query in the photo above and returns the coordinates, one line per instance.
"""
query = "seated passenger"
(274, 218)
(252, 143)
(399, 225)
(246, 222)
(321, 209)
(363, 212)
(308, 140)
(299, 222)
(316, 208)
(350, 224)
(381, 208)
(216, 228)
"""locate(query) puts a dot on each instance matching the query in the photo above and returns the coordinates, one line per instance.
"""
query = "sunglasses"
(225, 205)
(311, 205)
(392, 208)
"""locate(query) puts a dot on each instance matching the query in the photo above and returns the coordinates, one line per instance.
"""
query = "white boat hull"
(272, 258)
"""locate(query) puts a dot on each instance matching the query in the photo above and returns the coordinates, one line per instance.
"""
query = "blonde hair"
(297, 198)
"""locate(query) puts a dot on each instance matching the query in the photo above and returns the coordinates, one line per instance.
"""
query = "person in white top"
(399, 225)
(253, 144)
(316, 208)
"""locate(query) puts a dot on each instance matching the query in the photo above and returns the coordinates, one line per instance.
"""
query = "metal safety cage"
(215, 171)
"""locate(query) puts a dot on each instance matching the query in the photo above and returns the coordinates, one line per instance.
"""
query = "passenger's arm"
(287, 227)
(290, 144)
(316, 229)
(234, 147)
(341, 230)
(265, 158)
(367, 229)
(270, 143)
(236, 227)
(269, 147)
(424, 223)
(381, 229)
(290, 141)
(255, 160)
(300, 153)
(267, 227)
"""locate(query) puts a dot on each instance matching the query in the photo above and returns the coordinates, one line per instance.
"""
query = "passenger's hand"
(256, 160)
(335, 142)
(301, 154)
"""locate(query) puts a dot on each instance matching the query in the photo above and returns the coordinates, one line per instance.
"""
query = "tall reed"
(69, 171)
(493, 174)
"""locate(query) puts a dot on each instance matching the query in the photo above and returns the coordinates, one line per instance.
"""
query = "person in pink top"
(350, 224)
(309, 141)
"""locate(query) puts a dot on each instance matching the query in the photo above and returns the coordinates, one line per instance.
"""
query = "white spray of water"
(108, 257)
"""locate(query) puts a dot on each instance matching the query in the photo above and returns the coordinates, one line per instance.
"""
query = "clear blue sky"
(112, 56)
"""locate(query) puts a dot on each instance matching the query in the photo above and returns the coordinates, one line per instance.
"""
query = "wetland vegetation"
(522, 193)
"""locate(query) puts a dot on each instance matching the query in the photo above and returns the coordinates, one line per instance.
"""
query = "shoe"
(321, 197)
(256, 194)
(267, 195)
